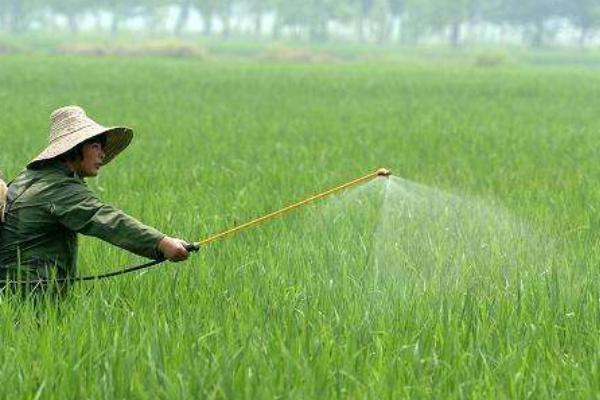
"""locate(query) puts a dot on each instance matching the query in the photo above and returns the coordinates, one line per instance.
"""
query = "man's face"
(93, 156)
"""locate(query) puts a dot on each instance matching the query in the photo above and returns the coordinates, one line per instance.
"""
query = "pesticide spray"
(417, 239)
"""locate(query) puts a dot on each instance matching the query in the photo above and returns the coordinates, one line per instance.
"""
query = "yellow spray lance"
(381, 172)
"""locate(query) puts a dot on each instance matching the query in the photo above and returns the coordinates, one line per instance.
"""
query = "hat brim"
(117, 140)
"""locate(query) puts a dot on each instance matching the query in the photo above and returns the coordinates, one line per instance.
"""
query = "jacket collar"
(58, 165)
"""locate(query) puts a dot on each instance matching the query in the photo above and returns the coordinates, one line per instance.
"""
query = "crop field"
(473, 272)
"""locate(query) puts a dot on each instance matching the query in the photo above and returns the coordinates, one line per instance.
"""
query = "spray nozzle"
(384, 172)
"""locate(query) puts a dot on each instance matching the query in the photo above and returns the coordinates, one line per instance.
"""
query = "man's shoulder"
(53, 172)
(47, 181)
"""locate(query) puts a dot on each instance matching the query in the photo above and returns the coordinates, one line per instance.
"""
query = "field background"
(269, 314)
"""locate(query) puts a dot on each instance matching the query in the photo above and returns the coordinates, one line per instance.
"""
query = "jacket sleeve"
(77, 208)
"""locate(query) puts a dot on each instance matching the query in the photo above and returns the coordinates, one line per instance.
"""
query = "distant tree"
(284, 16)
(363, 12)
(440, 16)
(453, 15)
(317, 16)
(185, 7)
(15, 12)
(413, 26)
(492, 10)
(221, 9)
(117, 9)
(207, 10)
(474, 12)
(531, 15)
(397, 10)
(344, 13)
(96, 9)
(380, 18)
(373, 18)
(224, 10)
(310, 17)
(153, 12)
(585, 14)
(20, 13)
(3, 14)
(257, 10)
(71, 10)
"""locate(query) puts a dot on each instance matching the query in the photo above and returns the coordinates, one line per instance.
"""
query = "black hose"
(70, 279)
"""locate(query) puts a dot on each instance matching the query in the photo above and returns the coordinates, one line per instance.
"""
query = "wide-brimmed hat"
(70, 126)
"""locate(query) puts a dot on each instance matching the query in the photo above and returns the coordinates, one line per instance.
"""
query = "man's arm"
(77, 208)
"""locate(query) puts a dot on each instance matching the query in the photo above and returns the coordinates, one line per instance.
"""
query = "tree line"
(379, 21)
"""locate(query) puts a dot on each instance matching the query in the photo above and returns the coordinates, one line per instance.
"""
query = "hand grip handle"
(192, 247)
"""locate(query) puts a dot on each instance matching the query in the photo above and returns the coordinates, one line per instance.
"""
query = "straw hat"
(70, 126)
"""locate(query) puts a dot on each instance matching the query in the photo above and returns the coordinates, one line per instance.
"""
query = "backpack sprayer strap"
(4, 203)
(3, 195)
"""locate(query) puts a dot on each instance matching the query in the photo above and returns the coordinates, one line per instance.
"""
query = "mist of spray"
(431, 239)
(393, 232)
(391, 235)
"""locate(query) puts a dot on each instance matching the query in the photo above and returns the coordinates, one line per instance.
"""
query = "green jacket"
(47, 208)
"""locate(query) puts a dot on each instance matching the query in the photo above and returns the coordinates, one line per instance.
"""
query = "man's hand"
(173, 249)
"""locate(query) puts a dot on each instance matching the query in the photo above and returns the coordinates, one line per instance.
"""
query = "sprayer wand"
(381, 172)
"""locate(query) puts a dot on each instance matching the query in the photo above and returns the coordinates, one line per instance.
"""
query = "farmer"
(49, 203)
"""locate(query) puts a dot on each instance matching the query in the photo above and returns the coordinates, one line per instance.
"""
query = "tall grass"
(296, 308)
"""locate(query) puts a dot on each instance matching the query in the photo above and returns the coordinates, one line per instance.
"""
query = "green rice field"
(472, 273)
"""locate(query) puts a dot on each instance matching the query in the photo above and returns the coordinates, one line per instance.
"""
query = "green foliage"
(294, 308)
